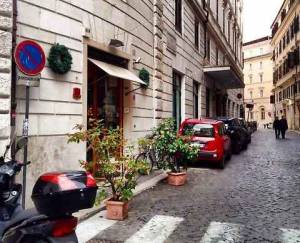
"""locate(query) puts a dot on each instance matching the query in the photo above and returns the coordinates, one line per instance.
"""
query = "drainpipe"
(205, 27)
(13, 75)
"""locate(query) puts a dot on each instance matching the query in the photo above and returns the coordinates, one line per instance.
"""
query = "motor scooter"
(56, 195)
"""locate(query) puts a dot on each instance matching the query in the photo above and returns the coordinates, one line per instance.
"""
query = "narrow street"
(255, 199)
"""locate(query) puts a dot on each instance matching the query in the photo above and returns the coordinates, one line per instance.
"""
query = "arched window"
(263, 113)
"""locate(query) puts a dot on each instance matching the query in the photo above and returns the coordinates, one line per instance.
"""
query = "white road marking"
(290, 236)
(157, 230)
(222, 233)
(93, 226)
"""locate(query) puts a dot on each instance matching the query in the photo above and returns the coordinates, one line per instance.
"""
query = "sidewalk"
(295, 131)
(144, 183)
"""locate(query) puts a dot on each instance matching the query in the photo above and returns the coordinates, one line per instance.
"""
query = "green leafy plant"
(174, 150)
(145, 76)
(119, 170)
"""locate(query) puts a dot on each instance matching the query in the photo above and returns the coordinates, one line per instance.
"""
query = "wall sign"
(30, 58)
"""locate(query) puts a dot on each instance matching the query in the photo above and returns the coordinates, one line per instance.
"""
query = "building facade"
(285, 46)
(258, 76)
(191, 50)
(6, 24)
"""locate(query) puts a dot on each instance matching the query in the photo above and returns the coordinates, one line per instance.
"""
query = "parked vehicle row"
(217, 138)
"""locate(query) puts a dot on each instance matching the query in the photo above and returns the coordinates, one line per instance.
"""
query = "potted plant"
(174, 150)
(120, 170)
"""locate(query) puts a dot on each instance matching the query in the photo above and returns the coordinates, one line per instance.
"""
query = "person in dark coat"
(276, 127)
(283, 126)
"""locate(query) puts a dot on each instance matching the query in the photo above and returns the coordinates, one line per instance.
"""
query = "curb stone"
(85, 214)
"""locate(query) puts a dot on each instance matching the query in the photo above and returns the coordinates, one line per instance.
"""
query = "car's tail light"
(64, 227)
(91, 182)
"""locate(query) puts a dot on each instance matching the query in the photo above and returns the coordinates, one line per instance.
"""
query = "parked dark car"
(237, 133)
(248, 130)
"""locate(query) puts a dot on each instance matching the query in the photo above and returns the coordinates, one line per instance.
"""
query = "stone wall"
(5, 70)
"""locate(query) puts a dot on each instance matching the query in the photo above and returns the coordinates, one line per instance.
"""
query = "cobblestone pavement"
(255, 199)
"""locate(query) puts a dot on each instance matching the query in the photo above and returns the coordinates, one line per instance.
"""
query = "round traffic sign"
(30, 57)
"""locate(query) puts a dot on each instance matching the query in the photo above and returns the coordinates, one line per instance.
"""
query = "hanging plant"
(60, 59)
(144, 75)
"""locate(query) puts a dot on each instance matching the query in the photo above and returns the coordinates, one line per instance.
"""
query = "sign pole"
(30, 60)
(25, 135)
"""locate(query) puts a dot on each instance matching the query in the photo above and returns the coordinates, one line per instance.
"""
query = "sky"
(258, 17)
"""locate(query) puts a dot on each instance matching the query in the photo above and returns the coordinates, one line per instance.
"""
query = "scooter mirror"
(21, 143)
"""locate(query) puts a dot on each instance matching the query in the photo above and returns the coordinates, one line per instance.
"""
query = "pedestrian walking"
(283, 126)
(276, 127)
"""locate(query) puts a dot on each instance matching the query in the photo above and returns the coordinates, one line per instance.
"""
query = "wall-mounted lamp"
(116, 43)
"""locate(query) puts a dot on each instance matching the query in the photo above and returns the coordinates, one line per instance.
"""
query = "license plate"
(198, 145)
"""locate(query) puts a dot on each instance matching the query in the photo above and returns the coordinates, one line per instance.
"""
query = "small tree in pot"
(120, 171)
(175, 151)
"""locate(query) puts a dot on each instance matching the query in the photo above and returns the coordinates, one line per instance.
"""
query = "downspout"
(205, 27)
(13, 75)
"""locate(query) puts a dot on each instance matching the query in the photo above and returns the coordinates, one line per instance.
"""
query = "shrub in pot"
(120, 171)
(175, 151)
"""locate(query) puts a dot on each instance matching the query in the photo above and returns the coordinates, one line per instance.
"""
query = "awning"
(116, 71)
(225, 77)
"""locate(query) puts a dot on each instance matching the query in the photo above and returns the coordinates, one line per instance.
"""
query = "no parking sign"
(30, 59)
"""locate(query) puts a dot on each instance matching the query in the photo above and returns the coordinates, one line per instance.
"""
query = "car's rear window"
(199, 130)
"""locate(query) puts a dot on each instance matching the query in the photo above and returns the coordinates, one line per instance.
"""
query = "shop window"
(178, 15)
(177, 98)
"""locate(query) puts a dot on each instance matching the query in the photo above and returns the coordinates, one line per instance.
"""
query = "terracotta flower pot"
(177, 179)
(116, 210)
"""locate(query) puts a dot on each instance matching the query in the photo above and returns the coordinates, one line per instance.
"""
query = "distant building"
(285, 46)
(258, 76)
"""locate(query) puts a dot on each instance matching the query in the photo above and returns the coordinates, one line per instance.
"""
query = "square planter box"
(116, 210)
(177, 179)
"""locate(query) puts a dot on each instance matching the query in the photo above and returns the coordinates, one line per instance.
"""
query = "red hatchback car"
(209, 136)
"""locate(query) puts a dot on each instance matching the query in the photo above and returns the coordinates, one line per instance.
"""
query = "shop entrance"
(105, 98)
(105, 92)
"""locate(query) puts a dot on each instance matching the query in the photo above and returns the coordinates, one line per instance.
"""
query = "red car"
(209, 136)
